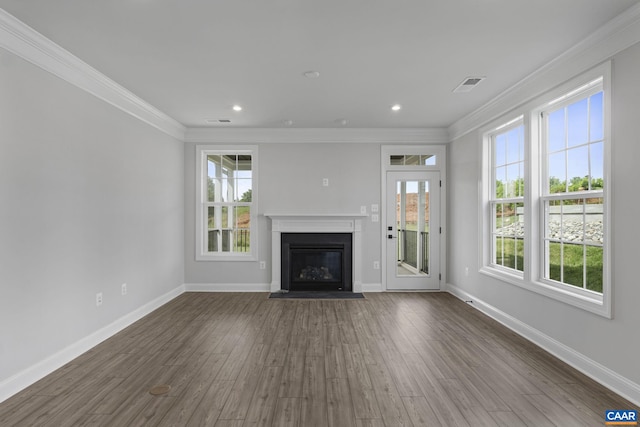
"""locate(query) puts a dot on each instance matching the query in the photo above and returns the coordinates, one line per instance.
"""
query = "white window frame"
(202, 254)
(504, 128)
(533, 277)
(547, 197)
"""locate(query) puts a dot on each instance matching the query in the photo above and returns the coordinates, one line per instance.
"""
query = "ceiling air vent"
(468, 84)
(216, 121)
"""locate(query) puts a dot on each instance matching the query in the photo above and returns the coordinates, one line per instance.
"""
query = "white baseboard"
(603, 375)
(372, 287)
(25, 378)
(227, 287)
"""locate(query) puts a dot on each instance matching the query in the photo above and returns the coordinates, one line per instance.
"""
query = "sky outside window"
(575, 147)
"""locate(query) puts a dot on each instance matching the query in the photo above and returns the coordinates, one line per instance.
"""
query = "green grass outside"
(574, 265)
(573, 262)
(513, 254)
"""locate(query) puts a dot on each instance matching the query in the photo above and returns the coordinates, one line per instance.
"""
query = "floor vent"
(160, 389)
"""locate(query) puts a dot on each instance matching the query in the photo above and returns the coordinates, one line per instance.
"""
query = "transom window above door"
(412, 159)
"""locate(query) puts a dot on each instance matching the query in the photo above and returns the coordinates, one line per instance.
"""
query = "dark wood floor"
(391, 359)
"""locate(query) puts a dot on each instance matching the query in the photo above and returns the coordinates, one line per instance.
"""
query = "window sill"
(223, 258)
(596, 304)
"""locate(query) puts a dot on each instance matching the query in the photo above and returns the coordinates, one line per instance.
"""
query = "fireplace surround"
(316, 223)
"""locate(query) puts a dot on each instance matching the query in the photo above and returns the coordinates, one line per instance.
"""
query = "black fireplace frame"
(316, 241)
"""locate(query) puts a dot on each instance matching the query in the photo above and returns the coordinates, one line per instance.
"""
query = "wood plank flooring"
(241, 359)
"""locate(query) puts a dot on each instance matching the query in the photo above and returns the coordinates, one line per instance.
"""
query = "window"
(412, 159)
(545, 204)
(507, 196)
(572, 194)
(226, 211)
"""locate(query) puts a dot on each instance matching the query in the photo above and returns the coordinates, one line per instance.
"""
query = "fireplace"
(323, 224)
(316, 261)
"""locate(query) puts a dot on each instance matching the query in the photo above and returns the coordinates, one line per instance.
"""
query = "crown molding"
(318, 135)
(23, 41)
(615, 36)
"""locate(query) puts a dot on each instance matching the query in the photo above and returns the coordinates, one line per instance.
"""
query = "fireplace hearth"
(316, 261)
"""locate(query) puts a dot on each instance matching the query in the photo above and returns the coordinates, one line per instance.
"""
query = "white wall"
(290, 181)
(90, 198)
(612, 344)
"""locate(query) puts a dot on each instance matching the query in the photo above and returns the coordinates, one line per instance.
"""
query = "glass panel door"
(412, 225)
(413, 233)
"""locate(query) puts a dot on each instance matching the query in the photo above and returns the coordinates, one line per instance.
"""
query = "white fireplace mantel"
(315, 223)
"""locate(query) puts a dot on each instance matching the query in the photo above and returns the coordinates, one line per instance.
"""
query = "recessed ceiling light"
(237, 108)
(311, 74)
(396, 107)
(341, 122)
(287, 122)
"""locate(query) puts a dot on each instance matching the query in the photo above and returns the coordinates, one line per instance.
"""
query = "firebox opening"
(316, 262)
(316, 265)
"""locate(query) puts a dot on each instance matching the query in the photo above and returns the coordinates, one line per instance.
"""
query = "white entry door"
(413, 230)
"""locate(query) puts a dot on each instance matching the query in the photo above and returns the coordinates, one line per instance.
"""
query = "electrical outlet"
(374, 218)
(363, 210)
(376, 265)
(263, 265)
(325, 182)
(374, 208)
(98, 299)
(123, 289)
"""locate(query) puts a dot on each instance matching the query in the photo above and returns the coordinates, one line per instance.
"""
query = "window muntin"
(226, 211)
(228, 177)
(507, 196)
(574, 242)
(573, 193)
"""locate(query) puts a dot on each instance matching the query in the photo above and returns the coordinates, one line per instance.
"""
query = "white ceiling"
(195, 59)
